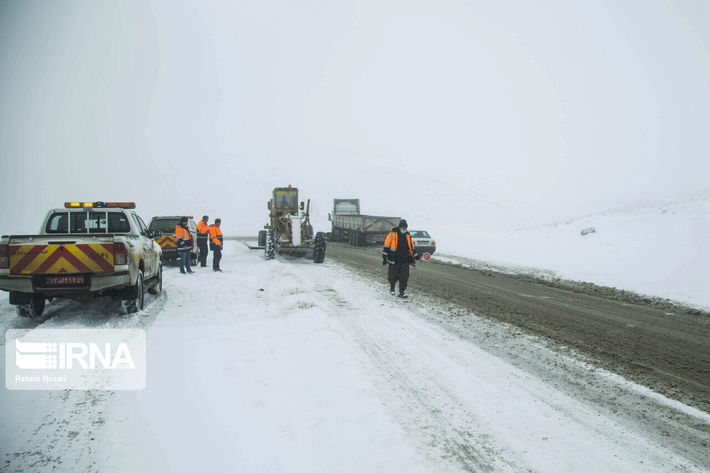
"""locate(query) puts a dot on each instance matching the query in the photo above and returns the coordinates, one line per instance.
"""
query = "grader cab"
(289, 230)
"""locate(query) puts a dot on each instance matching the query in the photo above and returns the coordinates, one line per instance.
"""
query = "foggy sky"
(442, 112)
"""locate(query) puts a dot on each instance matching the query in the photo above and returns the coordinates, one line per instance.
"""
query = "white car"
(423, 243)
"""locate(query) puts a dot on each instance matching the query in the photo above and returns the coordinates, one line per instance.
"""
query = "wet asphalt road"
(653, 342)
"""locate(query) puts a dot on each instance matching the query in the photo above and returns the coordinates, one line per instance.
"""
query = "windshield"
(286, 201)
(419, 234)
(164, 225)
(96, 222)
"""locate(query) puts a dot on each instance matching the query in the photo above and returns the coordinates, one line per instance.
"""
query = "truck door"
(148, 246)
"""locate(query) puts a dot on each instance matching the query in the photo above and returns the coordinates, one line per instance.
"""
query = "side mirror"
(268, 205)
(301, 206)
(156, 234)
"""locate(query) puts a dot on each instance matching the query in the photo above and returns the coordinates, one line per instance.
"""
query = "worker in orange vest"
(184, 245)
(399, 254)
(216, 244)
(203, 234)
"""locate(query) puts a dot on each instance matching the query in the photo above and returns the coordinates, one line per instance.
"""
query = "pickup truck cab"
(83, 250)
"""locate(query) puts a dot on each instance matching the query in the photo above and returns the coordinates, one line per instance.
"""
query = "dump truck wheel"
(270, 245)
(261, 240)
(319, 248)
(34, 309)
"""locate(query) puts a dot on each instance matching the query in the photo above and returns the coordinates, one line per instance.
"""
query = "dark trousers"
(184, 260)
(398, 272)
(216, 257)
(202, 247)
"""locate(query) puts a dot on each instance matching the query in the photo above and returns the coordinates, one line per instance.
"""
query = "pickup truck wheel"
(158, 288)
(135, 301)
(34, 309)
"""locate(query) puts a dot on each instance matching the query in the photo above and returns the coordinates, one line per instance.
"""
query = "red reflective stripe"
(26, 260)
(95, 257)
(73, 260)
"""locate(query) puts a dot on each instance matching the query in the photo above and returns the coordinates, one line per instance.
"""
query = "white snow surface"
(660, 250)
(289, 366)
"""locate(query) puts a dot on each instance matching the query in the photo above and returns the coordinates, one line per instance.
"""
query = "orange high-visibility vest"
(393, 238)
(202, 227)
(183, 234)
(215, 235)
(203, 230)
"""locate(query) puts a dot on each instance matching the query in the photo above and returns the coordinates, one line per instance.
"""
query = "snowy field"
(288, 366)
(661, 250)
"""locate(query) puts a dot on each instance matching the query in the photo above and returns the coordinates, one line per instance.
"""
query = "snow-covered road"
(290, 366)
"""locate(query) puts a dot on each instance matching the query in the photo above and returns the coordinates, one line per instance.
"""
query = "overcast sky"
(424, 109)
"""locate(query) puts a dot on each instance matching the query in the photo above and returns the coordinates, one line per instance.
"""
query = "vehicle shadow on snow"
(102, 312)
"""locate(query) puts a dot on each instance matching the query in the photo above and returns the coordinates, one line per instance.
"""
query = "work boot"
(392, 290)
(403, 295)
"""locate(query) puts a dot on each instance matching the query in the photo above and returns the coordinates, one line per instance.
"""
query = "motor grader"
(289, 231)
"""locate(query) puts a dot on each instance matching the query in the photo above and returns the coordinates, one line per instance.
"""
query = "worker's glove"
(180, 244)
(417, 256)
(384, 260)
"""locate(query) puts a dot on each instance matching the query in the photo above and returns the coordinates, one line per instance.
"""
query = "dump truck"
(289, 230)
(348, 224)
(83, 250)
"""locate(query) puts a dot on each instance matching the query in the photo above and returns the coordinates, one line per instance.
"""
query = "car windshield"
(164, 225)
(419, 234)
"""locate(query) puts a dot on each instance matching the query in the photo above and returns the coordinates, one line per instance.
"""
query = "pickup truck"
(83, 250)
(168, 242)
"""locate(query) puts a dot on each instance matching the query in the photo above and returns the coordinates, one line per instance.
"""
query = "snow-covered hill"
(660, 249)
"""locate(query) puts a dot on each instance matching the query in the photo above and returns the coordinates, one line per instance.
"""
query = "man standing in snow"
(203, 234)
(184, 245)
(399, 254)
(216, 244)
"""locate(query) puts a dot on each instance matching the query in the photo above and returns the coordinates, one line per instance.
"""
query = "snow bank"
(661, 250)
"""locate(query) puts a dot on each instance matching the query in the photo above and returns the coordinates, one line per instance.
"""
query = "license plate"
(65, 280)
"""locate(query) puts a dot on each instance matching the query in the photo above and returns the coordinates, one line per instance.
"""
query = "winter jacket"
(216, 240)
(183, 238)
(399, 248)
(203, 230)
